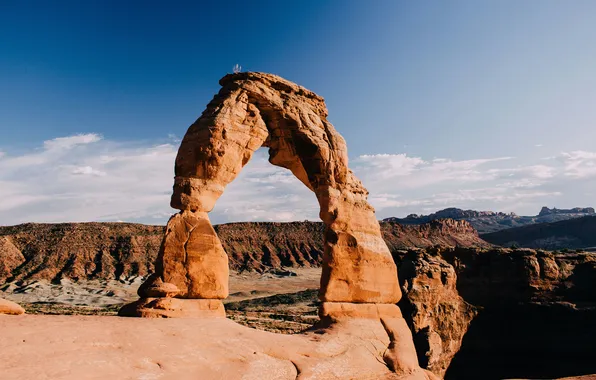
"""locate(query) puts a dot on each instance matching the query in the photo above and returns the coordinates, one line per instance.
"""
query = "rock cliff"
(576, 210)
(111, 250)
(535, 311)
(436, 314)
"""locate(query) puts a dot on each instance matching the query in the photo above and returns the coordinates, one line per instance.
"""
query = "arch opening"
(254, 110)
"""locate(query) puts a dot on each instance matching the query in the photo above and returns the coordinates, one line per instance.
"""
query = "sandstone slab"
(11, 308)
(71, 347)
(174, 308)
(336, 311)
(438, 316)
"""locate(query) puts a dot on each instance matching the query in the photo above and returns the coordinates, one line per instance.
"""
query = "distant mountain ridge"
(490, 221)
(572, 233)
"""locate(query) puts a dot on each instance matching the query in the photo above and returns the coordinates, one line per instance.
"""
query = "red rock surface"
(11, 308)
(110, 250)
(436, 313)
(258, 109)
(76, 347)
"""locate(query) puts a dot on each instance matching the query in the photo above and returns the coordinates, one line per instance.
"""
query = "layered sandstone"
(77, 251)
(250, 111)
(9, 307)
(105, 251)
(535, 311)
(438, 316)
(359, 278)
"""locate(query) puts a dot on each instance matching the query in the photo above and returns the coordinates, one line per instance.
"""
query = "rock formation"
(436, 313)
(547, 300)
(359, 277)
(9, 307)
(566, 234)
(576, 210)
(250, 111)
(105, 251)
(77, 251)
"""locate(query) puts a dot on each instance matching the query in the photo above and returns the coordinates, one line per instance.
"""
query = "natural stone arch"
(253, 110)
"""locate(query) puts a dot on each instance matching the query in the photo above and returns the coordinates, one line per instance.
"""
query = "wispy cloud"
(84, 177)
(87, 177)
(579, 164)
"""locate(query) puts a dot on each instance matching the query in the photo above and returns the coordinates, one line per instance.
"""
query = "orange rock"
(174, 308)
(436, 313)
(401, 354)
(9, 307)
(191, 263)
(254, 110)
(336, 311)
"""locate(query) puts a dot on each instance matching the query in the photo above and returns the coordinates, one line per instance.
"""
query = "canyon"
(457, 289)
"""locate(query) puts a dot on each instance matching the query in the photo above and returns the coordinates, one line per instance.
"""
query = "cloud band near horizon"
(88, 178)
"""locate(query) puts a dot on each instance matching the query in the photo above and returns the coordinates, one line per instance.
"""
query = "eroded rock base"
(174, 308)
(334, 311)
(11, 308)
(376, 320)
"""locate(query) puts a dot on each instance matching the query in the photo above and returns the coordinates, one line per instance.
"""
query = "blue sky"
(485, 105)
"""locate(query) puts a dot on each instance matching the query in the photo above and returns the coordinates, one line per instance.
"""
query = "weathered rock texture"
(250, 111)
(359, 277)
(208, 348)
(98, 251)
(437, 315)
(77, 251)
(536, 311)
(9, 307)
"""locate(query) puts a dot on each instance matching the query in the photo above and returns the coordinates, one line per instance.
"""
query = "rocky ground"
(282, 301)
(456, 301)
(92, 347)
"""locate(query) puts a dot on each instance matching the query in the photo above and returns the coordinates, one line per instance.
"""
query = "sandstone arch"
(253, 110)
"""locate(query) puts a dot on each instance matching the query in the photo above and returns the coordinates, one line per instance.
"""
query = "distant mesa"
(577, 210)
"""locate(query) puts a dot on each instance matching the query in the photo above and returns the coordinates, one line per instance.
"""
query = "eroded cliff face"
(538, 312)
(535, 311)
(77, 251)
(489, 221)
(81, 251)
(437, 315)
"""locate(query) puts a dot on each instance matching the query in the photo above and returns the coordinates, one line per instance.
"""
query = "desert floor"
(283, 301)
